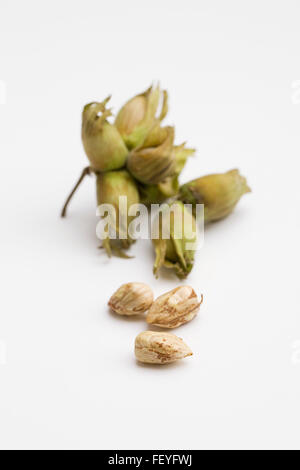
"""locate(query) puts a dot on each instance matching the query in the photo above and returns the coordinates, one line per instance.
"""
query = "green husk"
(219, 193)
(152, 165)
(110, 186)
(173, 252)
(138, 116)
(102, 141)
(169, 187)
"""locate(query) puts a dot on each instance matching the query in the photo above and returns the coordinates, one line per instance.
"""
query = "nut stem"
(86, 171)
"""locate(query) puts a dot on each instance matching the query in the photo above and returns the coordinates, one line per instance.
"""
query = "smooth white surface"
(68, 377)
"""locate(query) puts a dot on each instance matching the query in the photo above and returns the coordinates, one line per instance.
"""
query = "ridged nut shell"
(153, 347)
(174, 308)
(132, 298)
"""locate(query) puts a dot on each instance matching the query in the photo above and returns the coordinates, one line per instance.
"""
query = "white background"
(68, 376)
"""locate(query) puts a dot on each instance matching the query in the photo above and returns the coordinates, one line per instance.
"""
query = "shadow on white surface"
(126, 318)
(161, 368)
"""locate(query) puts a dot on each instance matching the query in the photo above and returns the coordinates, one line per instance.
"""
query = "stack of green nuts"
(135, 156)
